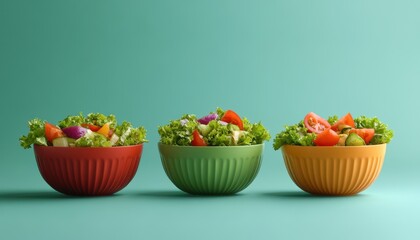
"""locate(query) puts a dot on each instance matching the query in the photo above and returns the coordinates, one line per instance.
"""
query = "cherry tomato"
(231, 117)
(346, 120)
(198, 139)
(327, 137)
(92, 127)
(365, 133)
(315, 123)
(52, 132)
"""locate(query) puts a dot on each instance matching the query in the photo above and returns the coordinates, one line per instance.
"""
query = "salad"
(94, 130)
(314, 130)
(220, 128)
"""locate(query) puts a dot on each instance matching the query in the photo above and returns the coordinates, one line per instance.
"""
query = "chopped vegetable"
(96, 130)
(36, 134)
(365, 133)
(354, 140)
(104, 130)
(382, 133)
(307, 133)
(294, 135)
(327, 138)
(345, 121)
(231, 117)
(52, 132)
(197, 139)
(224, 129)
(206, 119)
(315, 123)
(75, 132)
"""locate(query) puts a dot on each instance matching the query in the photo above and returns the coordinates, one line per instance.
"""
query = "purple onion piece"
(74, 132)
(223, 123)
(206, 119)
(184, 121)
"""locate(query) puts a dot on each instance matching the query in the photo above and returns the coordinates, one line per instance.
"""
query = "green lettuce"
(294, 135)
(218, 134)
(129, 135)
(382, 133)
(93, 140)
(36, 134)
(72, 121)
(179, 132)
(332, 119)
(100, 119)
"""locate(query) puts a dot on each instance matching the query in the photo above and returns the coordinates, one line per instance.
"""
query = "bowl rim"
(102, 148)
(336, 147)
(210, 147)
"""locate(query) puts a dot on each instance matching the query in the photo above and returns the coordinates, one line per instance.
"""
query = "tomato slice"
(92, 127)
(315, 123)
(327, 137)
(52, 132)
(231, 117)
(365, 133)
(346, 120)
(198, 139)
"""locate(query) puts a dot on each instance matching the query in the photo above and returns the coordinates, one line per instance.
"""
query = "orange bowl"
(88, 171)
(334, 170)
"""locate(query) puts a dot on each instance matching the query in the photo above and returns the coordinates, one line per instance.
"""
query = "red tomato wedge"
(198, 139)
(327, 137)
(231, 117)
(365, 133)
(92, 127)
(315, 123)
(346, 120)
(52, 132)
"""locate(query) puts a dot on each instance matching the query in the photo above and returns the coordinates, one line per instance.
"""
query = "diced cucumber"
(343, 126)
(346, 130)
(60, 142)
(114, 139)
(342, 141)
(203, 129)
(354, 140)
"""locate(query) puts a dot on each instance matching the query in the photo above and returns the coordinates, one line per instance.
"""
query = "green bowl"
(211, 170)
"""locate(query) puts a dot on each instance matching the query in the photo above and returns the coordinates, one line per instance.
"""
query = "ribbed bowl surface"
(334, 170)
(211, 170)
(88, 171)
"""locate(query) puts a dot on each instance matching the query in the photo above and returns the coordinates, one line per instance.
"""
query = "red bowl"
(86, 171)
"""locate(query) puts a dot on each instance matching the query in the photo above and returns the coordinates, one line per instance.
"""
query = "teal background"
(151, 61)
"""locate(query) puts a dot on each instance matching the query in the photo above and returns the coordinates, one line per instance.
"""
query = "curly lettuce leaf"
(382, 133)
(178, 132)
(294, 135)
(256, 133)
(36, 134)
(129, 135)
(215, 133)
(72, 121)
(100, 119)
(219, 135)
(93, 140)
(332, 119)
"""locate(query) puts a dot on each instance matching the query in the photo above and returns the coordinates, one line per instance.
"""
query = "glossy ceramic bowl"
(211, 170)
(334, 170)
(88, 171)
